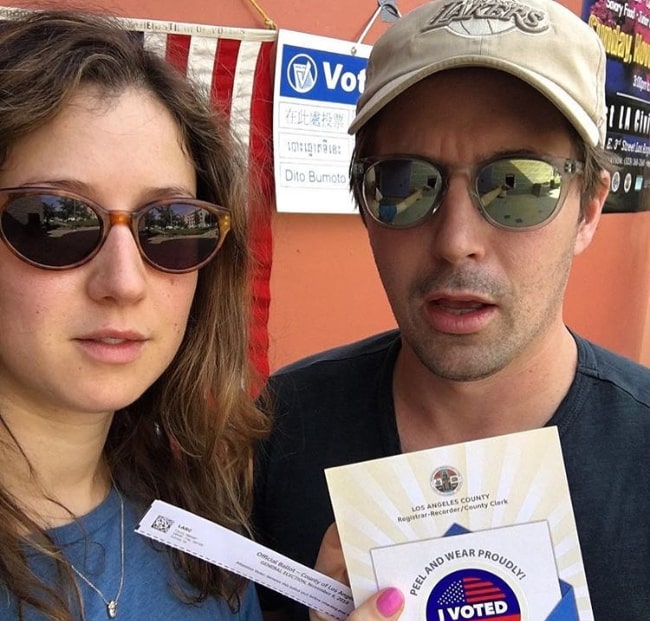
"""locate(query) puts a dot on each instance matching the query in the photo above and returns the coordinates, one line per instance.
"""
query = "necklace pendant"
(111, 608)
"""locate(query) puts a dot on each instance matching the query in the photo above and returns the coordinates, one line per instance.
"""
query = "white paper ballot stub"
(211, 542)
(504, 573)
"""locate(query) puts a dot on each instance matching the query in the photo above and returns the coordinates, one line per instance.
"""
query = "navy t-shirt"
(337, 408)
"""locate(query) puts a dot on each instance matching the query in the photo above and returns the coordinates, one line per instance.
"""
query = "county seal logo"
(472, 594)
(446, 480)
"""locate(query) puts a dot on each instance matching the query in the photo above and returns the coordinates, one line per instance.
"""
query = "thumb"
(330, 559)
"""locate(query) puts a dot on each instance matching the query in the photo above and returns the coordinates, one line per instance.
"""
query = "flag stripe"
(261, 173)
(242, 91)
(177, 51)
(155, 42)
(225, 63)
(487, 597)
(200, 61)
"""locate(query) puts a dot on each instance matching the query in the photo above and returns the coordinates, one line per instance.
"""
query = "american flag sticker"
(472, 594)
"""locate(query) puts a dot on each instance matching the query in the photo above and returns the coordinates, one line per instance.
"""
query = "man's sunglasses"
(513, 192)
(56, 229)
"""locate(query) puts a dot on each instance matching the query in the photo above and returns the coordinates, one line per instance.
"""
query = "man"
(480, 174)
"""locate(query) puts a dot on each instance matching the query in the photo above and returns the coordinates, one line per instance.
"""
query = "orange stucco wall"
(324, 287)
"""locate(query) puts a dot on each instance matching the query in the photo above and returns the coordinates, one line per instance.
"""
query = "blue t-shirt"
(93, 546)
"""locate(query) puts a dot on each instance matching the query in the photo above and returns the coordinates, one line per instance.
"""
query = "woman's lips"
(112, 347)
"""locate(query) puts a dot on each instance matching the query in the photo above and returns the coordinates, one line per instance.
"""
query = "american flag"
(235, 66)
(471, 590)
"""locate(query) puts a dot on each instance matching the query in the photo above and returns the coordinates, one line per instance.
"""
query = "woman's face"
(93, 338)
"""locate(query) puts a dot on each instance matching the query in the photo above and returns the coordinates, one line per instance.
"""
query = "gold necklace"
(111, 605)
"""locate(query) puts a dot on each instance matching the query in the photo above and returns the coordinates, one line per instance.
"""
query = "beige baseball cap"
(538, 41)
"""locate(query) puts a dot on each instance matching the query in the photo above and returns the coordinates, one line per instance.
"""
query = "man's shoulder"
(371, 351)
(338, 403)
(614, 371)
(338, 379)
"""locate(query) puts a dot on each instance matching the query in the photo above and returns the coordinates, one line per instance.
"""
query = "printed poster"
(624, 29)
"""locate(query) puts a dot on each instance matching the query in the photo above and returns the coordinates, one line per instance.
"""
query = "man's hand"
(330, 559)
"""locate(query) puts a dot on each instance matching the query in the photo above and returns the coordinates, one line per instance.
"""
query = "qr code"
(162, 524)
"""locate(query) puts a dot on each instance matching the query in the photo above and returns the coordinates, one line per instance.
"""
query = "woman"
(123, 362)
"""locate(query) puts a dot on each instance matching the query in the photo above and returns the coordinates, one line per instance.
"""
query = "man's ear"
(592, 208)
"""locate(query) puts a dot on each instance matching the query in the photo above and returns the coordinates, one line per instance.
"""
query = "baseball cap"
(538, 41)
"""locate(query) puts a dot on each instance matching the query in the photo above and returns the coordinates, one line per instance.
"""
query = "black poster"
(624, 29)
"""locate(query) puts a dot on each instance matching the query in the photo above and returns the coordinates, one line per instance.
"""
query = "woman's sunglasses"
(514, 192)
(56, 229)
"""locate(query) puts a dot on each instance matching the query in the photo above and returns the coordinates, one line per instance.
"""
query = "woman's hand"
(383, 606)
(386, 605)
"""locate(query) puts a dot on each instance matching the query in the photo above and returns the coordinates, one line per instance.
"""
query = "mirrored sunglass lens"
(519, 192)
(56, 231)
(401, 192)
(178, 236)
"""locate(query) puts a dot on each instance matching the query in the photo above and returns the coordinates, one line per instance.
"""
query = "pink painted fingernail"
(389, 602)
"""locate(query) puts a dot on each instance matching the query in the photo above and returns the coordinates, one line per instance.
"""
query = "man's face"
(471, 298)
